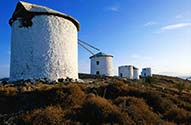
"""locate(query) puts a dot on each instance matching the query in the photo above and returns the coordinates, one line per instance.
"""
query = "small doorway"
(97, 73)
(121, 74)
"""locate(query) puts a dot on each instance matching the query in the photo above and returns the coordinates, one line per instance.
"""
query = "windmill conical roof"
(101, 54)
(26, 8)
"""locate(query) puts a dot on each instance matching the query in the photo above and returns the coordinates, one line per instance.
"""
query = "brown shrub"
(157, 102)
(186, 98)
(72, 95)
(59, 85)
(42, 103)
(97, 110)
(83, 87)
(137, 92)
(76, 95)
(178, 115)
(114, 89)
(9, 91)
(138, 110)
(185, 105)
(47, 116)
(67, 97)
(180, 86)
(43, 87)
(169, 123)
(1, 88)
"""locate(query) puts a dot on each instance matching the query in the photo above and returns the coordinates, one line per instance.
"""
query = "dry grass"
(110, 101)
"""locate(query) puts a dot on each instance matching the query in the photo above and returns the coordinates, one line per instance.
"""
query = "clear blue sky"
(144, 33)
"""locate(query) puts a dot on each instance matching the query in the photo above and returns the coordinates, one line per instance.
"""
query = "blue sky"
(144, 33)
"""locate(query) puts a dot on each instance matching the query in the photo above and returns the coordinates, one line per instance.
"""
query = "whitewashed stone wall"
(146, 72)
(135, 74)
(126, 72)
(105, 66)
(47, 49)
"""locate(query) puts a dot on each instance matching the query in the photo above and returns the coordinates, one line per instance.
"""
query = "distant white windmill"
(101, 63)
(128, 71)
(146, 72)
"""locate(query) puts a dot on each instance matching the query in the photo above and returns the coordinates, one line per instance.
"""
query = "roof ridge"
(101, 54)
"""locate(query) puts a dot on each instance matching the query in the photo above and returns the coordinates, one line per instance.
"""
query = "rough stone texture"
(47, 49)
(105, 66)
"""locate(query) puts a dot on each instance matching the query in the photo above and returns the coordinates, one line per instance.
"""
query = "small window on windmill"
(97, 62)
(121, 75)
(97, 72)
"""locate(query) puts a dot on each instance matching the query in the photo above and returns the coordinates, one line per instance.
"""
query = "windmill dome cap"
(24, 8)
(101, 54)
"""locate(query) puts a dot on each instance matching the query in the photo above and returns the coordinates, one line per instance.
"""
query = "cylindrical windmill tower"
(146, 72)
(43, 44)
(101, 64)
(126, 71)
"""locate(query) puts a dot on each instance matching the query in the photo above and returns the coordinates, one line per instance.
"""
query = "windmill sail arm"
(85, 43)
(85, 48)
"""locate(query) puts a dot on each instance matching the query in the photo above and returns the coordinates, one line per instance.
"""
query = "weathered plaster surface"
(105, 66)
(146, 72)
(135, 74)
(47, 49)
(126, 71)
(129, 72)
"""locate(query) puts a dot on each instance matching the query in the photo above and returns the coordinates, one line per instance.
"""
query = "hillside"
(99, 100)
